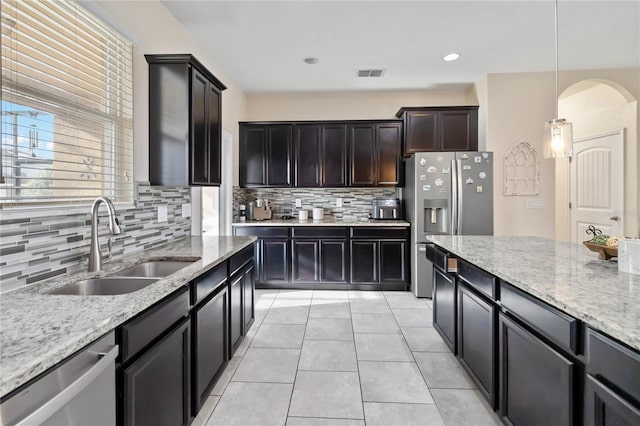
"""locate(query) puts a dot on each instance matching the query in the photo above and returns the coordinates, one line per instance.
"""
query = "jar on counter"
(242, 213)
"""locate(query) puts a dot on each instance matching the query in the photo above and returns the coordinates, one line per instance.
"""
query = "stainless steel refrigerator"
(445, 193)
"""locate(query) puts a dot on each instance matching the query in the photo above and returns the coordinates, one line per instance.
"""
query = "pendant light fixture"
(558, 133)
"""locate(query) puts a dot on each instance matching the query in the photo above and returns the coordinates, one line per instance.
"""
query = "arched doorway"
(600, 184)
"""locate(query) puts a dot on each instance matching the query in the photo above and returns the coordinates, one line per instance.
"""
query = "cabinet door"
(364, 261)
(214, 135)
(477, 341)
(421, 132)
(305, 260)
(388, 141)
(236, 309)
(274, 261)
(279, 150)
(308, 155)
(248, 298)
(444, 307)
(334, 154)
(199, 127)
(156, 386)
(459, 130)
(210, 345)
(253, 167)
(333, 261)
(536, 382)
(362, 155)
(393, 258)
(604, 407)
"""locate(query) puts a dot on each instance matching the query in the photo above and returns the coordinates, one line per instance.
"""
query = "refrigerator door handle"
(459, 196)
(454, 198)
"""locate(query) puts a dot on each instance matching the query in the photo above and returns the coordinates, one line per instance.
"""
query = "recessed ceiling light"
(311, 60)
(451, 57)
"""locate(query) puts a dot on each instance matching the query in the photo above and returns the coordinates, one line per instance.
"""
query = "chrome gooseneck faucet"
(95, 257)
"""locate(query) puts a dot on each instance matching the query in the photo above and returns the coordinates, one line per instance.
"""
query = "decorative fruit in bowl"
(605, 245)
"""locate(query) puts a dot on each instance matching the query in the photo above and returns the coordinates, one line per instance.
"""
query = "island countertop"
(39, 330)
(324, 222)
(565, 275)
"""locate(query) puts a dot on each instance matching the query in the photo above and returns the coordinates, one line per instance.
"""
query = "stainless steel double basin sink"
(126, 281)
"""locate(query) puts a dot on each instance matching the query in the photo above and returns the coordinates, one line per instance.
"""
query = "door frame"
(622, 138)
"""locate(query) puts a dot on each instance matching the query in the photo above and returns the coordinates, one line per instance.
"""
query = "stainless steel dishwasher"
(79, 391)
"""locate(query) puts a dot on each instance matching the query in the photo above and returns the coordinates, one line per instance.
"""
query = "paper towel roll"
(629, 256)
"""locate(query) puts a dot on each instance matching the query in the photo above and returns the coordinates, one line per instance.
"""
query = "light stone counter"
(39, 330)
(565, 275)
(323, 222)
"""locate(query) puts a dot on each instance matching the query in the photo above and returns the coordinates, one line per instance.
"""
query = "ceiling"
(262, 44)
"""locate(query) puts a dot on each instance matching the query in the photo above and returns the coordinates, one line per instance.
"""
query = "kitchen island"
(39, 330)
(549, 333)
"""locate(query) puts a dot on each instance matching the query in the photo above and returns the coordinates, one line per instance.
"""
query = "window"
(66, 105)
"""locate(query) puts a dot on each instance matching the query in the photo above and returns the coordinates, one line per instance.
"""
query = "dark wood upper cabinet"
(362, 153)
(439, 129)
(184, 122)
(374, 150)
(266, 154)
(320, 154)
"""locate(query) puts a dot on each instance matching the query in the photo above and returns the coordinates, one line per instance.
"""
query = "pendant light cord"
(556, 40)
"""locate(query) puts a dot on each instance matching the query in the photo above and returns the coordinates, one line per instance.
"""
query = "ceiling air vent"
(371, 73)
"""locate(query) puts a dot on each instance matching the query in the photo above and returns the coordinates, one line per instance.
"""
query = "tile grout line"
(355, 349)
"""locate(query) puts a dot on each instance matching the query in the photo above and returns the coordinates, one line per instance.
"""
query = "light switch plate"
(162, 213)
(298, 202)
(535, 203)
(339, 202)
(186, 210)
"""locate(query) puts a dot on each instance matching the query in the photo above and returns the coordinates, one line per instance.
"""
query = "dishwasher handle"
(52, 406)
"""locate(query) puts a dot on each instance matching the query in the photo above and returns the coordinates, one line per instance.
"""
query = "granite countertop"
(40, 330)
(323, 222)
(565, 275)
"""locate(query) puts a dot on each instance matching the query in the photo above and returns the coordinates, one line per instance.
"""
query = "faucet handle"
(108, 256)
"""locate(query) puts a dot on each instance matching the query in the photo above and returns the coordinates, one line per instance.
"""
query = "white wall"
(153, 30)
(517, 105)
(348, 105)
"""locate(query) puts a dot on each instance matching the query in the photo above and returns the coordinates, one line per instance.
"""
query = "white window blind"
(66, 104)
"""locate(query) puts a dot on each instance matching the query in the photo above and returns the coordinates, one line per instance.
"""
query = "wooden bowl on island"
(604, 252)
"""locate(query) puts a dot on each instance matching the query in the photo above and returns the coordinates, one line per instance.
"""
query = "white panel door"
(597, 185)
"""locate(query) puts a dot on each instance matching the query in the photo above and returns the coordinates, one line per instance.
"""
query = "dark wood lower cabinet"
(536, 382)
(333, 261)
(248, 297)
(364, 261)
(305, 259)
(210, 344)
(274, 261)
(444, 307)
(604, 407)
(393, 255)
(477, 340)
(236, 309)
(155, 387)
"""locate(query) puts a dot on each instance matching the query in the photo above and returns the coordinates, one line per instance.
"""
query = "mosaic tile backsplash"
(34, 249)
(356, 202)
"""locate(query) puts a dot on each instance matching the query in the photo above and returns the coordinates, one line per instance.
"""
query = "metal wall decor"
(521, 173)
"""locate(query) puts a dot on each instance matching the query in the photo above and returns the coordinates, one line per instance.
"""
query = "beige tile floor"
(343, 358)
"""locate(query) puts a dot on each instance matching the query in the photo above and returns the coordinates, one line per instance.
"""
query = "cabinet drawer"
(319, 232)
(613, 363)
(208, 283)
(240, 259)
(557, 326)
(142, 330)
(478, 279)
(436, 256)
(379, 233)
(262, 231)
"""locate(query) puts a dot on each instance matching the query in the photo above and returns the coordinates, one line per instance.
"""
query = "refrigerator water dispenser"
(435, 216)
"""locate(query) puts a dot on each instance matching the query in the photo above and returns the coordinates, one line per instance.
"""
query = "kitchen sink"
(107, 286)
(154, 268)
